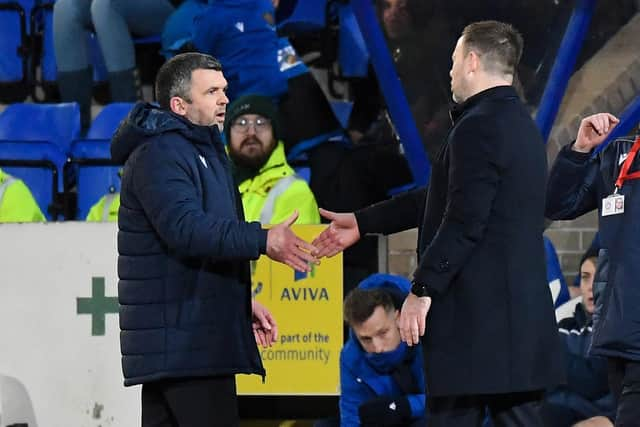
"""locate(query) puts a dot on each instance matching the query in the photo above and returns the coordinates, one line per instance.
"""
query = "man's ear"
(178, 105)
(473, 61)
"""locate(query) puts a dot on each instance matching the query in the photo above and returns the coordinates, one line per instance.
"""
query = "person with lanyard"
(589, 175)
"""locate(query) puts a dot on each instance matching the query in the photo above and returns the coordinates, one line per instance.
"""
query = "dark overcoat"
(491, 327)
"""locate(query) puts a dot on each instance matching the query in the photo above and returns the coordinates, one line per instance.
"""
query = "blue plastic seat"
(306, 16)
(58, 124)
(557, 283)
(39, 164)
(44, 21)
(96, 175)
(14, 49)
(353, 55)
(342, 111)
(107, 121)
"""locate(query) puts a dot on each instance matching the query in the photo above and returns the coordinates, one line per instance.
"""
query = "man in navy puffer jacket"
(187, 321)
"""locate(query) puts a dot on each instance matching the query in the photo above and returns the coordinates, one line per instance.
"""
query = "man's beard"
(253, 162)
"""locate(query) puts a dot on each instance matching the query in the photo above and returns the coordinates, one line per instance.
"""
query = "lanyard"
(624, 175)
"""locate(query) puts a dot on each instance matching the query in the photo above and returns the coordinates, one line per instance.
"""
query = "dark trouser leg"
(197, 402)
(628, 413)
(155, 409)
(75, 86)
(516, 409)
(125, 85)
(455, 411)
(615, 376)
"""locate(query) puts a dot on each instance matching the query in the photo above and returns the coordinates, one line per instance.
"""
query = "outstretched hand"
(341, 233)
(263, 324)
(594, 130)
(284, 246)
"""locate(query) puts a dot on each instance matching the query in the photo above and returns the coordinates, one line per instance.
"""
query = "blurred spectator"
(381, 378)
(241, 34)
(586, 395)
(270, 189)
(114, 22)
(16, 201)
(574, 289)
(106, 209)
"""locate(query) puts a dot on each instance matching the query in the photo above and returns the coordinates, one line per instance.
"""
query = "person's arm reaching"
(170, 201)
(394, 215)
(571, 188)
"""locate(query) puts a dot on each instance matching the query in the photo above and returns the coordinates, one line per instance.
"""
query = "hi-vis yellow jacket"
(16, 201)
(271, 196)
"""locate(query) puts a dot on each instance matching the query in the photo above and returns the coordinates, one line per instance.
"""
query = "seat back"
(353, 55)
(42, 25)
(306, 16)
(55, 123)
(96, 174)
(107, 121)
(39, 164)
(14, 50)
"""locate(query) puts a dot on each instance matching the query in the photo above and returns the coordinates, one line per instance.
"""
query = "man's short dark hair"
(174, 77)
(498, 44)
(360, 304)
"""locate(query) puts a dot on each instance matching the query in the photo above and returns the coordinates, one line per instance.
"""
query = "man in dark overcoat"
(490, 336)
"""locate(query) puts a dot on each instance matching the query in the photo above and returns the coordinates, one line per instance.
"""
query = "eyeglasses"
(242, 125)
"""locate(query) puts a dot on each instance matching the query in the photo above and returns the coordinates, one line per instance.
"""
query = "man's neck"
(488, 82)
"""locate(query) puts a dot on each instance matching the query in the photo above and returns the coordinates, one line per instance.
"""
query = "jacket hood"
(146, 121)
(397, 286)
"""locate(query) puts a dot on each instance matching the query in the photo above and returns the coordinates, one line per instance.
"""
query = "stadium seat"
(107, 121)
(96, 175)
(14, 50)
(306, 16)
(342, 110)
(39, 164)
(557, 283)
(353, 55)
(58, 124)
(42, 23)
(16, 408)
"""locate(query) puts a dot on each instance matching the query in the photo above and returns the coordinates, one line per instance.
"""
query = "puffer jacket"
(577, 184)
(184, 251)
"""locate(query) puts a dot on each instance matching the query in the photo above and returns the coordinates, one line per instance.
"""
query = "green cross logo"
(97, 306)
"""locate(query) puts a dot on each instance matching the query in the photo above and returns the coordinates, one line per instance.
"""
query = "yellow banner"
(308, 311)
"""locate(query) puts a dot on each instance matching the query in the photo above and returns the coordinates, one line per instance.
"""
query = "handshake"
(284, 246)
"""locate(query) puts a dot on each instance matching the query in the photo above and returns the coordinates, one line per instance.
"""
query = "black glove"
(385, 411)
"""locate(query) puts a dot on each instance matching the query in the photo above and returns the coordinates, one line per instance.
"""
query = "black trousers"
(624, 382)
(190, 402)
(505, 410)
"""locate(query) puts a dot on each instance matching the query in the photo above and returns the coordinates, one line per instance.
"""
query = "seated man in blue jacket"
(381, 378)
(586, 398)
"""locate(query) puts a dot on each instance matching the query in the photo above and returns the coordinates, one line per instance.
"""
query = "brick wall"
(571, 239)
